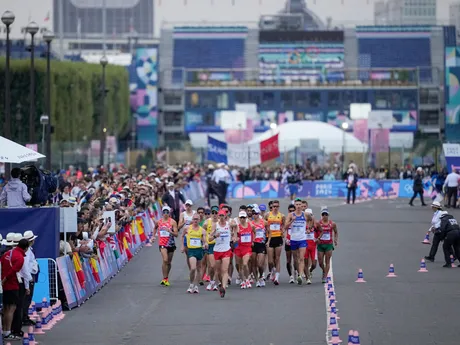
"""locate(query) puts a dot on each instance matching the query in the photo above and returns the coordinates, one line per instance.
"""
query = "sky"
(350, 13)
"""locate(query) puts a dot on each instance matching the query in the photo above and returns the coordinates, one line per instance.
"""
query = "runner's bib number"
(222, 239)
(164, 233)
(195, 242)
(260, 233)
(246, 238)
(310, 236)
(275, 227)
(326, 236)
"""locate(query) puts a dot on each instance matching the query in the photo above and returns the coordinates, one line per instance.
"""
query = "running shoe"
(209, 287)
(308, 281)
(248, 284)
(324, 280)
(222, 292)
(258, 283)
(201, 283)
(263, 276)
(190, 289)
(167, 282)
(243, 285)
(163, 282)
(12, 337)
(291, 280)
(269, 276)
(276, 282)
(207, 278)
(229, 281)
(262, 283)
(238, 281)
(299, 280)
(196, 290)
(214, 287)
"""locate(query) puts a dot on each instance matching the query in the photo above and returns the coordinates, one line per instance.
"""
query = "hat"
(324, 210)
(262, 207)
(350, 170)
(256, 209)
(17, 237)
(220, 165)
(207, 210)
(242, 214)
(211, 167)
(166, 208)
(250, 206)
(9, 241)
(170, 184)
(309, 211)
(222, 213)
(29, 235)
(436, 204)
(72, 200)
(189, 202)
(215, 208)
(152, 174)
(63, 200)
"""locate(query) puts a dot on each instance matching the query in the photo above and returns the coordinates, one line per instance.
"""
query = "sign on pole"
(380, 119)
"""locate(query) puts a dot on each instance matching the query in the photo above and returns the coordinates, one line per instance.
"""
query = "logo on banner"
(217, 151)
(269, 149)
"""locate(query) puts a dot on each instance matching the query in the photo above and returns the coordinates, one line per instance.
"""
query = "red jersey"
(312, 235)
(245, 235)
(326, 238)
(164, 237)
(12, 262)
(260, 231)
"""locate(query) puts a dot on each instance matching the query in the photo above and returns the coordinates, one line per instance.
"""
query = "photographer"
(15, 194)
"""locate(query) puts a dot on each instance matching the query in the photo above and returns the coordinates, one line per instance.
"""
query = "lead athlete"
(185, 219)
(275, 224)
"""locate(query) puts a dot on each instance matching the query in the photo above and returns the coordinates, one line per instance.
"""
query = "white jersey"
(223, 241)
(298, 228)
(187, 218)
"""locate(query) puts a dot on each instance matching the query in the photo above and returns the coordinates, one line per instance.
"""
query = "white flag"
(243, 155)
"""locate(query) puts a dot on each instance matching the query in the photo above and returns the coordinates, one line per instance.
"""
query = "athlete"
(259, 249)
(298, 222)
(235, 221)
(304, 205)
(196, 242)
(210, 251)
(204, 263)
(327, 239)
(245, 235)
(275, 224)
(185, 219)
(166, 230)
(222, 232)
(313, 230)
(287, 248)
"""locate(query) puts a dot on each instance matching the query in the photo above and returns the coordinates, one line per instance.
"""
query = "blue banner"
(42, 286)
(44, 222)
(217, 151)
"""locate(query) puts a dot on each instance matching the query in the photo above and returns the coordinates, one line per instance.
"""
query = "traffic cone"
(355, 338)
(38, 326)
(335, 336)
(426, 240)
(391, 272)
(25, 339)
(31, 336)
(360, 277)
(330, 287)
(350, 337)
(333, 310)
(423, 266)
(332, 323)
(331, 294)
(60, 315)
(148, 241)
(44, 316)
(452, 261)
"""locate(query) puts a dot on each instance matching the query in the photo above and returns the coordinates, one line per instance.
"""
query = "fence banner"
(66, 281)
(42, 286)
(367, 189)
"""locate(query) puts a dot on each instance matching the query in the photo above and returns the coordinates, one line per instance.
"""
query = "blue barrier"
(42, 286)
(367, 189)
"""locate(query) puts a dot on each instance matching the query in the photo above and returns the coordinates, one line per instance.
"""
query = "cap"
(242, 214)
(221, 206)
(222, 213)
(189, 202)
(324, 210)
(309, 211)
(256, 209)
(170, 184)
(72, 200)
(29, 235)
(214, 208)
(436, 204)
(262, 207)
(166, 208)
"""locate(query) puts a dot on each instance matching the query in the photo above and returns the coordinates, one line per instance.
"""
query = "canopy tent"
(11, 152)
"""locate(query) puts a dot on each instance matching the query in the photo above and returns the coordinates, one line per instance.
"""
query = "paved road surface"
(415, 308)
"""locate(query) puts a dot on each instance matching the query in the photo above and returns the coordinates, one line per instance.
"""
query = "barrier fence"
(367, 189)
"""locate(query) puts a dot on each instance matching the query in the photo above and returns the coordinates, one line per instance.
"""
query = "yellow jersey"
(209, 230)
(274, 224)
(194, 237)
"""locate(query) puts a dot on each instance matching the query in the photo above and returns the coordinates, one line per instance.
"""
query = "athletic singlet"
(274, 224)
(194, 237)
(223, 241)
(260, 231)
(165, 238)
(312, 235)
(326, 238)
(299, 227)
(187, 219)
(209, 230)
(245, 235)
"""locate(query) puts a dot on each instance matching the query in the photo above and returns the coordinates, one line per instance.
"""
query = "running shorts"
(276, 242)
(298, 244)
(293, 189)
(170, 249)
(210, 250)
(223, 255)
(311, 252)
(241, 251)
(323, 248)
(197, 253)
(259, 248)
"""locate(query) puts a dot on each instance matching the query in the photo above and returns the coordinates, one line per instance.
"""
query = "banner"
(217, 151)
(452, 155)
(42, 286)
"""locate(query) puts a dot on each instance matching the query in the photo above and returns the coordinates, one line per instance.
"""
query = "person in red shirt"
(12, 262)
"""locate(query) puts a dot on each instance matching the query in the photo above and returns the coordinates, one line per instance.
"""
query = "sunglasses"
(165, 212)
(214, 212)
(325, 214)
(195, 219)
(242, 217)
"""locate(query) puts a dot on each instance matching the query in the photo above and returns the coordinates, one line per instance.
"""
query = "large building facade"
(405, 12)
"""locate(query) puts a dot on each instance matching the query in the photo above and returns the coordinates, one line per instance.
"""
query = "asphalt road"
(414, 308)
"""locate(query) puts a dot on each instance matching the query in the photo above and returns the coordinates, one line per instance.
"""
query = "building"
(405, 12)
(454, 15)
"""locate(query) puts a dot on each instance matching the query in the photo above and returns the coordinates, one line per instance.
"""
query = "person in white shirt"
(452, 188)
(222, 178)
(33, 269)
(435, 224)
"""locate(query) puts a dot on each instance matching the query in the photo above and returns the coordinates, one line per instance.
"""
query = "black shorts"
(276, 242)
(171, 249)
(287, 247)
(259, 248)
(10, 297)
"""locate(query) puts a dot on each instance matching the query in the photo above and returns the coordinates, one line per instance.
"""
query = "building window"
(194, 100)
(382, 100)
(268, 99)
(301, 99)
(287, 99)
(429, 118)
(254, 97)
(362, 96)
(333, 98)
(222, 100)
(409, 99)
(395, 100)
(171, 119)
(172, 99)
(348, 97)
(241, 97)
(315, 99)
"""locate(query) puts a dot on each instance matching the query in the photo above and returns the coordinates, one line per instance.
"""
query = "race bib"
(260, 234)
(275, 227)
(164, 233)
(222, 238)
(311, 236)
(297, 230)
(195, 242)
(246, 238)
(326, 236)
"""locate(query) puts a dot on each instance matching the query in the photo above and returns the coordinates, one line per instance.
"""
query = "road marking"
(328, 313)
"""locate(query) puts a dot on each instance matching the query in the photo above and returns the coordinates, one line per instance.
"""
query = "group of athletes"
(211, 239)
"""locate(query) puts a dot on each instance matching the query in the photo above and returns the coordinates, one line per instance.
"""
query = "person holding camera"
(15, 194)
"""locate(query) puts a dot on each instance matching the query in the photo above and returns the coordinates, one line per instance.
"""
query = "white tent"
(10, 152)
(330, 137)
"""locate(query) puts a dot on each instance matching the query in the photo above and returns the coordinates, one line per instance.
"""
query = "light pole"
(48, 37)
(103, 63)
(344, 128)
(32, 29)
(7, 19)
(44, 121)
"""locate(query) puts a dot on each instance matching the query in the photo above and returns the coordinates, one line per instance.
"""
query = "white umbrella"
(10, 152)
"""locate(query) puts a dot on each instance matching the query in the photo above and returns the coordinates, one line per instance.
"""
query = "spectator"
(352, 184)
(451, 184)
(15, 193)
(34, 271)
(172, 198)
(12, 262)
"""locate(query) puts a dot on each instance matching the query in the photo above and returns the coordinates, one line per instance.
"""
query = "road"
(414, 308)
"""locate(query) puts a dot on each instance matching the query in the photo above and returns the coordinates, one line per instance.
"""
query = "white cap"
(350, 170)
(29, 235)
(255, 209)
(419, 169)
(242, 214)
(170, 184)
(309, 211)
(166, 207)
(220, 165)
(436, 204)
(210, 167)
(189, 202)
(324, 210)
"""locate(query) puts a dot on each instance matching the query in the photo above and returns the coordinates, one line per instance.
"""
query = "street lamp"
(103, 63)
(7, 19)
(32, 28)
(44, 121)
(48, 36)
(344, 128)
(273, 126)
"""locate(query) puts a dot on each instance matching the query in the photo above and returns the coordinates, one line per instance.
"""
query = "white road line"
(328, 313)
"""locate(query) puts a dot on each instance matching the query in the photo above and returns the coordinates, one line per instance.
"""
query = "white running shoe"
(243, 285)
(210, 285)
(238, 281)
(196, 290)
(258, 284)
(215, 287)
(299, 280)
(190, 289)
(263, 276)
(262, 283)
(248, 284)
(291, 280)
(308, 281)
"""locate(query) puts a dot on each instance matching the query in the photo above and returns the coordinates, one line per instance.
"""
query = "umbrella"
(10, 152)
